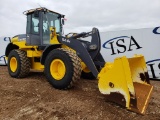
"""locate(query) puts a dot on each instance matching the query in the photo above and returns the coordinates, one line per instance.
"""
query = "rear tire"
(18, 64)
(62, 68)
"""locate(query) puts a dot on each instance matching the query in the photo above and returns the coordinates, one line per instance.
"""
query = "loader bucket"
(126, 82)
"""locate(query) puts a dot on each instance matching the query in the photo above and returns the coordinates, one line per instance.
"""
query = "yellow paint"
(31, 54)
(15, 39)
(85, 68)
(57, 69)
(137, 67)
(36, 65)
(114, 73)
(22, 45)
(35, 53)
(53, 36)
(6, 58)
(13, 64)
(120, 75)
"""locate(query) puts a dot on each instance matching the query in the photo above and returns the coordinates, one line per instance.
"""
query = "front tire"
(62, 68)
(18, 64)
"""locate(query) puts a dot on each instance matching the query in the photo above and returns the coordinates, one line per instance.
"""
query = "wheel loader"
(63, 59)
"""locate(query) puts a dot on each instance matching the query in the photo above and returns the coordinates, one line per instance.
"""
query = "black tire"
(72, 68)
(23, 64)
(87, 75)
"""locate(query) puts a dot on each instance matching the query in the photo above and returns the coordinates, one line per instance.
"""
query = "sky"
(83, 15)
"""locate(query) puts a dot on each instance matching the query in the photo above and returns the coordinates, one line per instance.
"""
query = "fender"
(46, 52)
(9, 48)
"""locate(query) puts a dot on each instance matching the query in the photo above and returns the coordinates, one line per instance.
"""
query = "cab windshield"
(50, 20)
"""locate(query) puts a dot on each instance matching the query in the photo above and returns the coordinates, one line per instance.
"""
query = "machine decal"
(66, 40)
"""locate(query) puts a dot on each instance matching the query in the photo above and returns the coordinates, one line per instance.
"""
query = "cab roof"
(40, 9)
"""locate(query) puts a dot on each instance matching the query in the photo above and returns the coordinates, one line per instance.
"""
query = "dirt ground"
(33, 98)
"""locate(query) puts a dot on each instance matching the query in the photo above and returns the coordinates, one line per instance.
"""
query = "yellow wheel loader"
(63, 58)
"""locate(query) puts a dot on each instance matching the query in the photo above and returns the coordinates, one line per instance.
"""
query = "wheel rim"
(13, 64)
(57, 69)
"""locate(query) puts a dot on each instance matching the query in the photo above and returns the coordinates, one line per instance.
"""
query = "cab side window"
(35, 25)
(28, 24)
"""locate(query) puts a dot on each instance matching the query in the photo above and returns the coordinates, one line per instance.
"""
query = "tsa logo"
(156, 30)
(121, 44)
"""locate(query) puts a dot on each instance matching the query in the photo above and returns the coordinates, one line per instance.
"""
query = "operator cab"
(39, 22)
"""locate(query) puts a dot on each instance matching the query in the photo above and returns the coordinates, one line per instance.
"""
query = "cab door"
(33, 30)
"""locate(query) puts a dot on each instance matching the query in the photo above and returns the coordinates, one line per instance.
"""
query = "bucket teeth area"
(143, 94)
